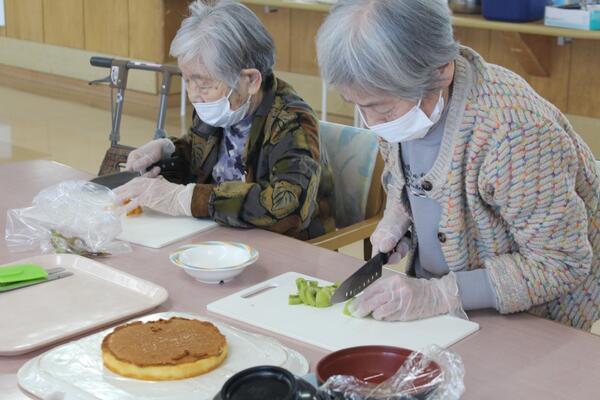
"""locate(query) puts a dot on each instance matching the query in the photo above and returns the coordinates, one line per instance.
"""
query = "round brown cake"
(176, 348)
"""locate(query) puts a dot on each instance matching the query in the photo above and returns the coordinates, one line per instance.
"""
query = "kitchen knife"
(113, 181)
(170, 168)
(361, 279)
(19, 285)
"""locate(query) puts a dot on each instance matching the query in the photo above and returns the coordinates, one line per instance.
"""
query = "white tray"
(94, 296)
(74, 371)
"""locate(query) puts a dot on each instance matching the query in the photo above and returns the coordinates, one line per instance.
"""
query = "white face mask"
(413, 125)
(219, 113)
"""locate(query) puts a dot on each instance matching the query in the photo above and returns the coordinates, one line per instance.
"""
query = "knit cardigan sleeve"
(393, 183)
(528, 178)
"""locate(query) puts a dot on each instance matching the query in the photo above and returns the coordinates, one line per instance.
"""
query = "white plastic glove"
(389, 235)
(402, 298)
(143, 157)
(157, 194)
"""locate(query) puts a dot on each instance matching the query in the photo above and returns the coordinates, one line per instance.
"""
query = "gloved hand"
(157, 194)
(143, 157)
(399, 251)
(402, 298)
(389, 235)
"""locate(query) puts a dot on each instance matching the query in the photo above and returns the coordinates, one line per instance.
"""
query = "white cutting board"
(156, 230)
(329, 328)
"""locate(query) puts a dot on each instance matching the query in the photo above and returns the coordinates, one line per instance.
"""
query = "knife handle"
(385, 257)
(174, 169)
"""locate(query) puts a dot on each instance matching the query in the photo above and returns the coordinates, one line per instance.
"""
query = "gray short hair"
(225, 37)
(390, 46)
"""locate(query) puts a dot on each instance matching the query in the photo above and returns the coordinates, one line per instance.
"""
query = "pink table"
(512, 357)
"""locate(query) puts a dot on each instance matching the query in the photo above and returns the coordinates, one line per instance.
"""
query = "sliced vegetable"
(311, 294)
(347, 308)
(323, 298)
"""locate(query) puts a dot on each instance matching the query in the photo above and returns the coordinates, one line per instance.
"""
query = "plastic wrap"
(76, 217)
(418, 378)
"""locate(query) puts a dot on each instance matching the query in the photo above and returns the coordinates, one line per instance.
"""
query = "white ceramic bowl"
(214, 262)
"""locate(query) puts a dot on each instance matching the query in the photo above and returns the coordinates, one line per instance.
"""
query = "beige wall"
(138, 29)
(63, 61)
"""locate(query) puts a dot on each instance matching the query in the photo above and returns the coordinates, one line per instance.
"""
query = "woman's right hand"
(389, 237)
(143, 157)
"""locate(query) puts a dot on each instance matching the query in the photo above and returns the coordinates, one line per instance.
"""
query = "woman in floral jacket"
(252, 156)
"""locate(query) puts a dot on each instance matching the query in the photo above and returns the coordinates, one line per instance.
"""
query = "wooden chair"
(359, 199)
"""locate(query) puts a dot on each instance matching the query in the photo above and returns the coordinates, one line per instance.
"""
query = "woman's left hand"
(157, 194)
(402, 298)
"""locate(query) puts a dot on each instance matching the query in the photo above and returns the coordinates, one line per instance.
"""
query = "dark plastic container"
(267, 383)
(513, 10)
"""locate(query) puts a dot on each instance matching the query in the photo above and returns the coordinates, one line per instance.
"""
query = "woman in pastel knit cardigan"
(491, 192)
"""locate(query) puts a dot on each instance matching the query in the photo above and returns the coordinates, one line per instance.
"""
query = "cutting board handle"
(257, 291)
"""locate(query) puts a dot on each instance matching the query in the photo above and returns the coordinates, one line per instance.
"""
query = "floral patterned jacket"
(287, 189)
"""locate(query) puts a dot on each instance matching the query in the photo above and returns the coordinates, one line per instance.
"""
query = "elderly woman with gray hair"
(252, 153)
(491, 192)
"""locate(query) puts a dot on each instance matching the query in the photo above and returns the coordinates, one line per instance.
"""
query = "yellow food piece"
(135, 211)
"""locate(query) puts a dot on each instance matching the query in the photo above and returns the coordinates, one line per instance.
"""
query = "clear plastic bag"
(76, 217)
(418, 379)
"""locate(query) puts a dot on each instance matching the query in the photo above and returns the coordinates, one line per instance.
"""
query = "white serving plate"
(76, 372)
(95, 295)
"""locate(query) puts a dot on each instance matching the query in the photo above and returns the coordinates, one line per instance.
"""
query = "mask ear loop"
(231, 92)
(362, 117)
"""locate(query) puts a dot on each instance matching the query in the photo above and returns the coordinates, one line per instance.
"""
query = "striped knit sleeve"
(528, 177)
(393, 184)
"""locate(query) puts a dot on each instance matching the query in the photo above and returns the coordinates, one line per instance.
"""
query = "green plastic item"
(5, 287)
(21, 273)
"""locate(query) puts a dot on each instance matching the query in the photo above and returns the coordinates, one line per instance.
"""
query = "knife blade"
(115, 180)
(20, 285)
(361, 279)
(170, 168)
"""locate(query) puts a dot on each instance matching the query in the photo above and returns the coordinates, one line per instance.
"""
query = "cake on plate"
(176, 348)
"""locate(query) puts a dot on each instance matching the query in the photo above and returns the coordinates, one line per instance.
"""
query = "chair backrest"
(352, 154)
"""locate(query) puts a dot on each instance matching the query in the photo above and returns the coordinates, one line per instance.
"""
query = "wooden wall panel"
(106, 26)
(63, 23)
(477, 39)
(24, 19)
(555, 87)
(304, 27)
(277, 22)
(175, 12)
(146, 23)
(584, 88)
